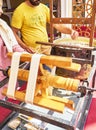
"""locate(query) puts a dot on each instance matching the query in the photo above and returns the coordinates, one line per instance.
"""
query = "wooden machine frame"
(78, 117)
(83, 104)
(60, 20)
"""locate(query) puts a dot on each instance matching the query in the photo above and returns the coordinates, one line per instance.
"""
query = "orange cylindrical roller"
(22, 74)
(48, 60)
(63, 83)
(55, 81)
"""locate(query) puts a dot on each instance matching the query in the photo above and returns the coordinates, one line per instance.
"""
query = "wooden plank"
(71, 20)
(74, 67)
(67, 102)
(48, 60)
(40, 101)
(64, 41)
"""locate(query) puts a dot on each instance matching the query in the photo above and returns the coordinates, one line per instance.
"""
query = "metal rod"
(63, 45)
(38, 115)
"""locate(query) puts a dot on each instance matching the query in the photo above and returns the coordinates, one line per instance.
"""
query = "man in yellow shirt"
(29, 20)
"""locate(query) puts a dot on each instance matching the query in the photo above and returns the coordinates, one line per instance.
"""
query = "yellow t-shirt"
(32, 23)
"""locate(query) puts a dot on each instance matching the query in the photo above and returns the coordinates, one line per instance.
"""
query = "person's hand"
(30, 50)
(74, 34)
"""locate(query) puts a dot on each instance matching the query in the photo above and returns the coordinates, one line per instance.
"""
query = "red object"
(91, 118)
(4, 112)
(84, 30)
